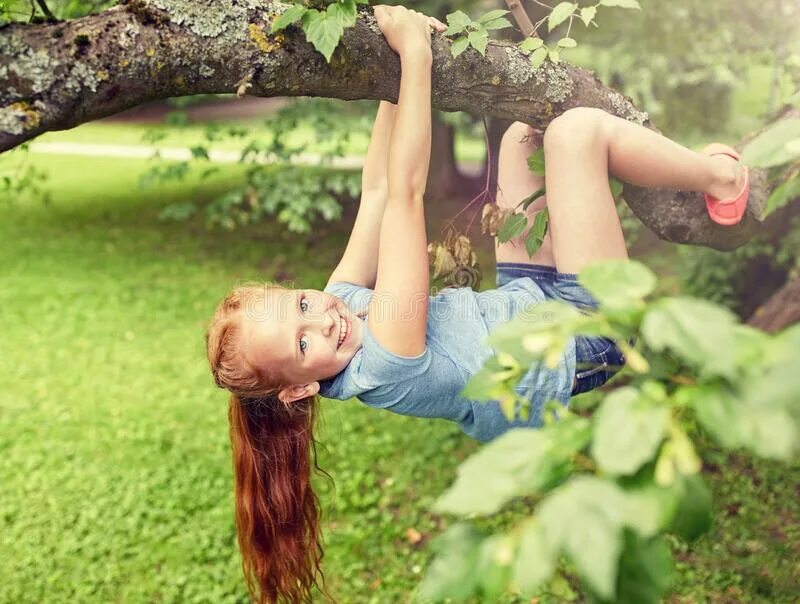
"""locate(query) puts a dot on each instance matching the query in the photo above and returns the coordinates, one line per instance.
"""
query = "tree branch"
(521, 17)
(43, 5)
(56, 76)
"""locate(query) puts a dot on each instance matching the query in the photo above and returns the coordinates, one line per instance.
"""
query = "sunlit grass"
(468, 148)
(114, 461)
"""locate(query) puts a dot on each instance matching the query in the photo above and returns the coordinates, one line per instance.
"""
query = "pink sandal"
(727, 211)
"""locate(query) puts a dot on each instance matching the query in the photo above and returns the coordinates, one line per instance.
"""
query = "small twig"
(485, 193)
(521, 17)
(540, 21)
(46, 10)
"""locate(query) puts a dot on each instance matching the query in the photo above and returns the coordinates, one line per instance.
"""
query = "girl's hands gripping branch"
(406, 31)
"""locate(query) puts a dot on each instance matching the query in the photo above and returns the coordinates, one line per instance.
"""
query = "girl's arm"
(359, 262)
(399, 307)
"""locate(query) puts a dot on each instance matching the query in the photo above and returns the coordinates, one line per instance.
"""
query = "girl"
(374, 332)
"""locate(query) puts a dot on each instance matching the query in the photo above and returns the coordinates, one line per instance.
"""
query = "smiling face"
(303, 335)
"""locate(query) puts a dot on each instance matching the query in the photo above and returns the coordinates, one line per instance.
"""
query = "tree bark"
(443, 175)
(781, 310)
(56, 76)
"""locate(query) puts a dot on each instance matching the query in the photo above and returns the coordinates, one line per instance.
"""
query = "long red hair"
(277, 512)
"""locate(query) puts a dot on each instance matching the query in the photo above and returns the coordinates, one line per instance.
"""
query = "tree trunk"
(443, 175)
(781, 310)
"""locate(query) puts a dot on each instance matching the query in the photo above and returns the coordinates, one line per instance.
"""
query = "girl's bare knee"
(575, 127)
(518, 136)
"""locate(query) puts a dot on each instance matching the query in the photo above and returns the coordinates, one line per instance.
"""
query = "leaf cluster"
(610, 487)
(778, 148)
(294, 194)
(323, 28)
(466, 32)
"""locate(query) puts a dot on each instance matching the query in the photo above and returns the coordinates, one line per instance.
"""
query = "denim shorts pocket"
(596, 361)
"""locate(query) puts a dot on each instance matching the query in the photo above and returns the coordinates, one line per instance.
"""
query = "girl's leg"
(514, 183)
(582, 146)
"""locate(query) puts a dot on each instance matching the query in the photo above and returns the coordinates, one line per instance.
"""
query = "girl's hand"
(406, 31)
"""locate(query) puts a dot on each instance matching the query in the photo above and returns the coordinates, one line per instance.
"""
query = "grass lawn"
(193, 134)
(114, 460)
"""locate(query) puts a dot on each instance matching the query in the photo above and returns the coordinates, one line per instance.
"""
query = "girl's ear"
(295, 393)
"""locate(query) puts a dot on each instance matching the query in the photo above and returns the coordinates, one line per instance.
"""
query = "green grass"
(114, 460)
(193, 134)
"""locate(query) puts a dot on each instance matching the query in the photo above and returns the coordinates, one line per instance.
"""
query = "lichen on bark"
(556, 80)
(228, 17)
(34, 67)
(518, 67)
(18, 117)
(83, 76)
(626, 109)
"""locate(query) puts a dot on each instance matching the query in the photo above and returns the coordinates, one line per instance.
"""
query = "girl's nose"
(328, 323)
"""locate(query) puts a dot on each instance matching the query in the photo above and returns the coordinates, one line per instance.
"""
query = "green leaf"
(536, 161)
(530, 44)
(567, 43)
(553, 55)
(492, 15)
(628, 431)
(512, 227)
(292, 14)
(650, 507)
(782, 194)
(536, 558)
(618, 284)
(344, 11)
(199, 152)
(736, 422)
(538, 56)
(621, 3)
(770, 147)
(584, 518)
(493, 566)
(692, 516)
(478, 40)
(459, 45)
(536, 235)
(645, 571)
(457, 22)
(323, 30)
(501, 23)
(559, 14)
(452, 572)
(522, 461)
(698, 331)
(587, 14)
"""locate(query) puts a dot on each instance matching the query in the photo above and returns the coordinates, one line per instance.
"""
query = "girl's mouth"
(344, 331)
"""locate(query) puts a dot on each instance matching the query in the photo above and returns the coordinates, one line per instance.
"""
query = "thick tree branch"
(56, 76)
(781, 310)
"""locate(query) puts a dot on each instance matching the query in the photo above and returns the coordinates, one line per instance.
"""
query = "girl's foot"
(726, 198)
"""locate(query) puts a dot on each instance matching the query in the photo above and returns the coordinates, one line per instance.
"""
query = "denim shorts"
(596, 359)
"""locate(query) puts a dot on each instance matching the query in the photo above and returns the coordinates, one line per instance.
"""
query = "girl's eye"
(303, 345)
(303, 304)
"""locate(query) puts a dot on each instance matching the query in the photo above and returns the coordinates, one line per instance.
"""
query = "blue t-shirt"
(430, 385)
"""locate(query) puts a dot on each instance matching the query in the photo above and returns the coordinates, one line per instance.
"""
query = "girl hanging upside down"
(374, 332)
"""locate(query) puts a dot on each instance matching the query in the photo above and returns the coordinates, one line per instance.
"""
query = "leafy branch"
(609, 488)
